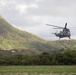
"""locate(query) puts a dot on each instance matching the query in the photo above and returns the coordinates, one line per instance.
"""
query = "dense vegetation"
(67, 57)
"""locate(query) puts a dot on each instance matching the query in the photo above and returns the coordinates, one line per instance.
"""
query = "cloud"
(55, 8)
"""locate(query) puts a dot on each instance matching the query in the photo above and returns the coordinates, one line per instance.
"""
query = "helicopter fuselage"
(64, 33)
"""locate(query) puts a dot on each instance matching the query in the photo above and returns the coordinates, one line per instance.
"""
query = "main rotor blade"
(58, 28)
(55, 26)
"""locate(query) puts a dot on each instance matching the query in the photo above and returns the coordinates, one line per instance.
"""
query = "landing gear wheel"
(69, 37)
(59, 38)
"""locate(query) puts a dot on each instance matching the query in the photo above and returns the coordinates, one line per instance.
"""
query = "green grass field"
(37, 70)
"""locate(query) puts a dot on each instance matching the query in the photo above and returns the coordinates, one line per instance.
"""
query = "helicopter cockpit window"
(68, 30)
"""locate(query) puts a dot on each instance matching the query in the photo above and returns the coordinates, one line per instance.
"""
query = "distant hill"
(13, 39)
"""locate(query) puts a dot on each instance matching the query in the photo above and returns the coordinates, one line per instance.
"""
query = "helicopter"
(64, 33)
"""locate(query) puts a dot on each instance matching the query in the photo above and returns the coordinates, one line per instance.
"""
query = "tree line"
(67, 57)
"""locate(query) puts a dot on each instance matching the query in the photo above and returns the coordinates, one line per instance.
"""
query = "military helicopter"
(64, 33)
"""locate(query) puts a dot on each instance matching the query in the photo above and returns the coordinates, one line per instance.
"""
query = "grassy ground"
(37, 70)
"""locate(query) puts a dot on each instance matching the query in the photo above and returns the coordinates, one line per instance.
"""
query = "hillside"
(12, 38)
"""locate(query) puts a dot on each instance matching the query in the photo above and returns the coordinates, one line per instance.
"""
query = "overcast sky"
(33, 15)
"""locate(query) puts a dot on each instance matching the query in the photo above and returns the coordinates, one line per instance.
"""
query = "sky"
(33, 15)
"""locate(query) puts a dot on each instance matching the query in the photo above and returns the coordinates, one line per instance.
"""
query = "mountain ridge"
(12, 38)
